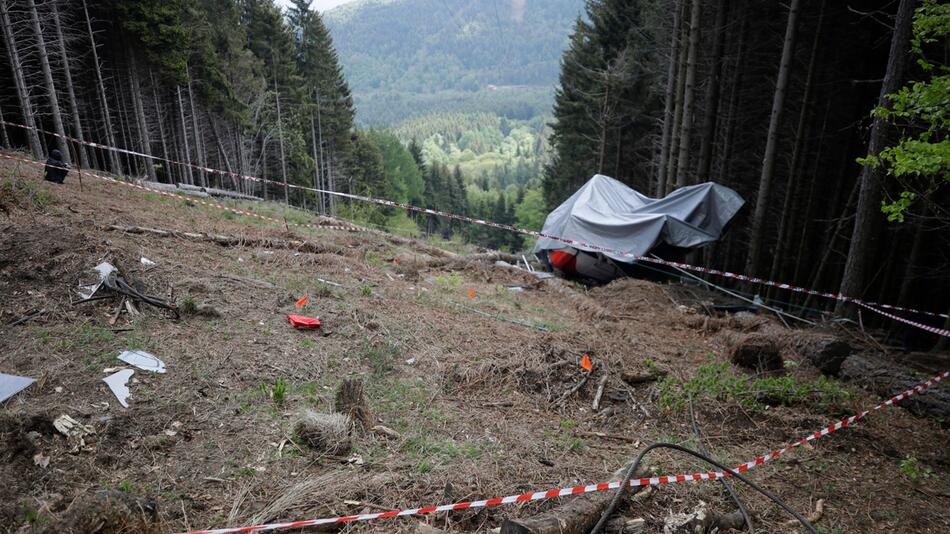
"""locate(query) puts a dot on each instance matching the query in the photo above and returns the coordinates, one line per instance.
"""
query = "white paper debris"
(10, 385)
(143, 360)
(411, 361)
(147, 262)
(117, 383)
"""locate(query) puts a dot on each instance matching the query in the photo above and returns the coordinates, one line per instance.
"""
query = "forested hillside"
(406, 58)
(779, 101)
(228, 84)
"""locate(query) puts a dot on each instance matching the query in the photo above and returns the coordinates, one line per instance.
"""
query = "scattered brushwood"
(112, 284)
(329, 433)
(351, 401)
(107, 512)
(229, 240)
(757, 352)
(702, 520)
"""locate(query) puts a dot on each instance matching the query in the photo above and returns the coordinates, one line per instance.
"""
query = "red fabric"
(299, 321)
(564, 261)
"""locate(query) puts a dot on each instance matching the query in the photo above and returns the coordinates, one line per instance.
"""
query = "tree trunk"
(196, 132)
(829, 247)
(280, 139)
(712, 94)
(157, 104)
(868, 215)
(727, 142)
(114, 166)
(810, 199)
(70, 88)
(125, 129)
(771, 145)
(4, 138)
(23, 95)
(61, 141)
(144, 137)
(316, 160)
(668, 100)
(682, 165)
(794, 177)
(677, 114)
(324, 199)
(189, 178)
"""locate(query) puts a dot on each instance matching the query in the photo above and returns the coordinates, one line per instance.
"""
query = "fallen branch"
(600, 392)
(27, 317)
(813, 517)
(605, 435)
(229, 241)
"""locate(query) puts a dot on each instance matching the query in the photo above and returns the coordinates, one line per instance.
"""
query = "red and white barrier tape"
(576, 244)
(189, 198)
(578, 490)
(685, 266)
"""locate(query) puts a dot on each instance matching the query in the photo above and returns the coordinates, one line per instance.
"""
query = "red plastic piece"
(307, 323)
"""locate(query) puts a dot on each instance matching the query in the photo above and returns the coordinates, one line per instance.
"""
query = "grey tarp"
(607, 213)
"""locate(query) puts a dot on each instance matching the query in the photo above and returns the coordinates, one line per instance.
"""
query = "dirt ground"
(481, 405)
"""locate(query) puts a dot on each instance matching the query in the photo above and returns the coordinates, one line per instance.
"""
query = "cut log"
(635, 379)
(576, 516)
(885, 379)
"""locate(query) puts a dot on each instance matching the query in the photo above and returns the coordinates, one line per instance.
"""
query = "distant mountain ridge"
(404, 58)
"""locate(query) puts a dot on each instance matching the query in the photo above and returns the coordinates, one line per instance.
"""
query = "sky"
(319, 5)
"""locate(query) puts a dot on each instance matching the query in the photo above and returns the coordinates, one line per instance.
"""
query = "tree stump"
(756, 352)
(351, 401)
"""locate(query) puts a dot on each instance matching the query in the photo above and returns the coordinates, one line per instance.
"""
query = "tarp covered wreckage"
(606, 213)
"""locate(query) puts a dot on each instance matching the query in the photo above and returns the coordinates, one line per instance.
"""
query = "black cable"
(636, 463)
(732, 493)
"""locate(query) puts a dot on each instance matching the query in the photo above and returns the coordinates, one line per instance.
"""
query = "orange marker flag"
(471, 294)
(303, 301)
(586, 364)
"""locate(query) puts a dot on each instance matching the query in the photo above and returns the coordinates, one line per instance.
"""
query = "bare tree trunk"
(196, 133)
(189, 178)
(280, 139)
(145, 140)
(682, 165)
(868, 215)
(323, 177)
(677, 115)
(125, 128)
(4, 138)
(604, 112)
(809, 200)
(712, 94)
(830, 246)
(794, 178)
(70, 88)
(668, 100)
(727, 142)
(26, 107)
(316, 160)
(161, 127)
(115, 167)
(61, 141)
(771, 145)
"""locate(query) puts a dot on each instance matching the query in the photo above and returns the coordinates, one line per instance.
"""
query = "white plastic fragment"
(117, 383)
(10, 385)
(147, 262)
(143, 360)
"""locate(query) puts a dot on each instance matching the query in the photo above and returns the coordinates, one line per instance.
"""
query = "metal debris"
(117, 383)
(10, 385)
(143, 360)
